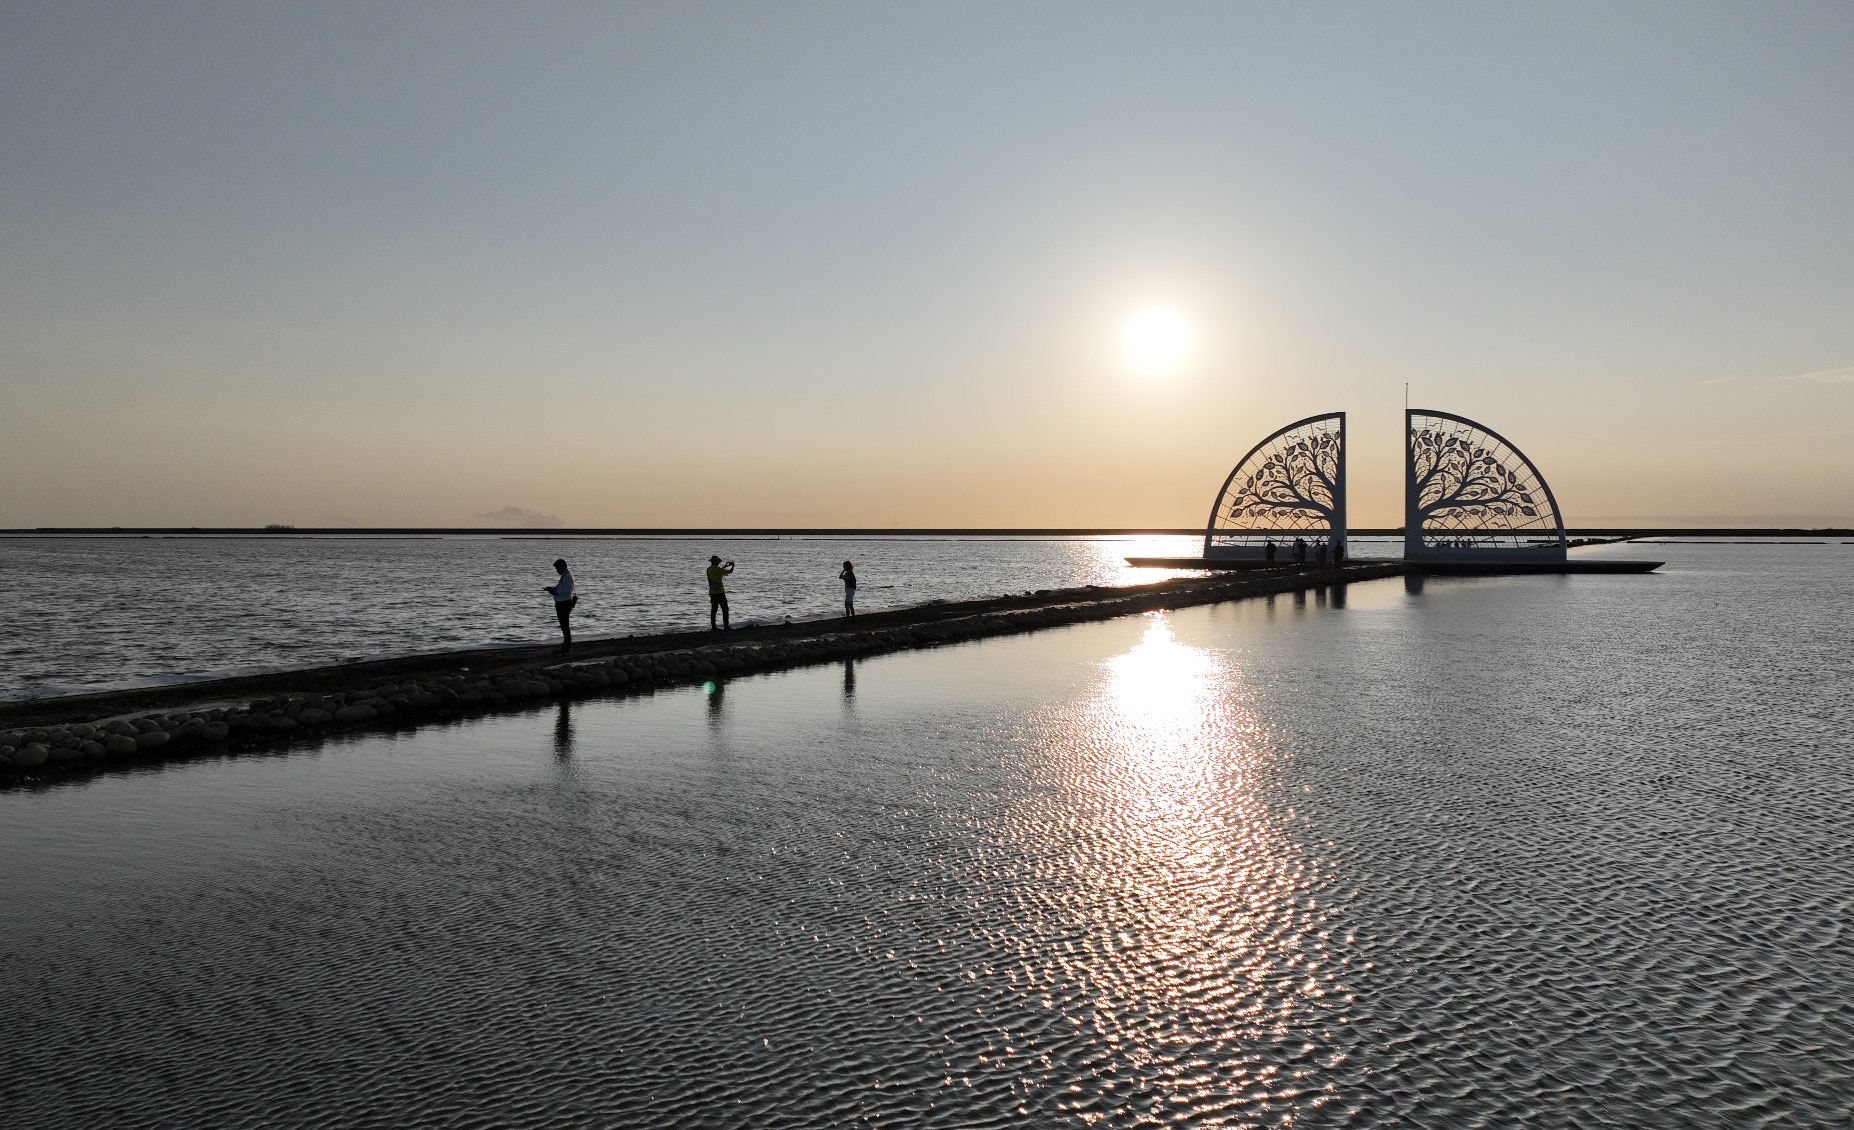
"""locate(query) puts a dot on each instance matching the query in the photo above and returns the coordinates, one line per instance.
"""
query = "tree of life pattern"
(1288, 484)
(1466, 480)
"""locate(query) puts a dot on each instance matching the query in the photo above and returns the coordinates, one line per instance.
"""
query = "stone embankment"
(333, 700)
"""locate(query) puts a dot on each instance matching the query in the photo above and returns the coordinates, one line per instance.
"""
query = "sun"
(1156, 340)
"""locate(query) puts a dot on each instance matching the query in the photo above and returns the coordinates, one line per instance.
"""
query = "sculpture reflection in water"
(1200, 939)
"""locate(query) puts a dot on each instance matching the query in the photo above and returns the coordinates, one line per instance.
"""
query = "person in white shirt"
(564, 600)
(848, 577)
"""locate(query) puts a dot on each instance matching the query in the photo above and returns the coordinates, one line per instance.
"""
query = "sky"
(868, 264)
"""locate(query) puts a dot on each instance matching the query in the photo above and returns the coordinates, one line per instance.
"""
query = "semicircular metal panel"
(1292, 484)
(1469, 492)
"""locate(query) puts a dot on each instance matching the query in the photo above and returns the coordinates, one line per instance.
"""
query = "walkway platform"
(1440, 568)
(1218, 563)
(1497, 568)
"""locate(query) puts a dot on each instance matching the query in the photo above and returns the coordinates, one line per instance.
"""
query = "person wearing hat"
(717, 592)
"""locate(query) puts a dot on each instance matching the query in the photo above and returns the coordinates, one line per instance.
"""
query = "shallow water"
(1563, 851)
(85, 612)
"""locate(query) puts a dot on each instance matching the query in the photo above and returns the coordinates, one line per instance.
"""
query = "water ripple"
(1140, 873)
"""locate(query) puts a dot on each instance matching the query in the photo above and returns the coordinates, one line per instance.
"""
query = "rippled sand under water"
(1552, 851)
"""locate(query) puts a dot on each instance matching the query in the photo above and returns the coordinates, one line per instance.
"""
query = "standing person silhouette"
(1300, 551)
(717, 591)
(1268, 551)
(564, 600)
(848, 577)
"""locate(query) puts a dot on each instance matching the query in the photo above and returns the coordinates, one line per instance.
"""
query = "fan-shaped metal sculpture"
(1470, 495)
(1291, 485)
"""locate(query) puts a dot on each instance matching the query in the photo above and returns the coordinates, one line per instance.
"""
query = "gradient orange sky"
(840, 264)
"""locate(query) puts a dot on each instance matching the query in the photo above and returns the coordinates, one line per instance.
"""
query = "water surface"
(1544, 851)
(87, 612)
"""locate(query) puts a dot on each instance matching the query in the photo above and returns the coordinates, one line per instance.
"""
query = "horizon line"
(832, 531)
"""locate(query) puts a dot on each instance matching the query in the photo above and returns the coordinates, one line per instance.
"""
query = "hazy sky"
(865, 263)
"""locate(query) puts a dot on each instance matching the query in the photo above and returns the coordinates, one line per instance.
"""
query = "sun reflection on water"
(1202, 946)
(1156, 701)
(1103, 561)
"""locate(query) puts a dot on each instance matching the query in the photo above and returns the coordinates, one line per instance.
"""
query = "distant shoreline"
(677, 532)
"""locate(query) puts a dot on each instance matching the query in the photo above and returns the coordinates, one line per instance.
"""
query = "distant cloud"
(1719, 381)
(521, 515)
(1826, 376)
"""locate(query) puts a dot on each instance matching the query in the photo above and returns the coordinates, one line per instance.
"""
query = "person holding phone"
(717, 591)
(564, 600)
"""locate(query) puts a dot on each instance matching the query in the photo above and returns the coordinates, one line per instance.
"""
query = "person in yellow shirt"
(717, 591)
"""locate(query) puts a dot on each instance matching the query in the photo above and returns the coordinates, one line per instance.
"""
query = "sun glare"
(1156, 340)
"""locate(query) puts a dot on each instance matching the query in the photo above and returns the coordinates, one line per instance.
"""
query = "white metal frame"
(1470, 494)
(1290, 485)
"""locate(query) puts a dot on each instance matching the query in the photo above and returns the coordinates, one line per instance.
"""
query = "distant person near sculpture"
(1300, 551)
(1268, 551)
(848, 577)
(1338, 552)
(564, 600)
(717, 591)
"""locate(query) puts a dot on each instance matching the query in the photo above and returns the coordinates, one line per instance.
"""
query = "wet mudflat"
(1561, 851)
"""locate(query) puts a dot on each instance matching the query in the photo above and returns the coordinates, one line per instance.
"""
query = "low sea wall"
(52, 738)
